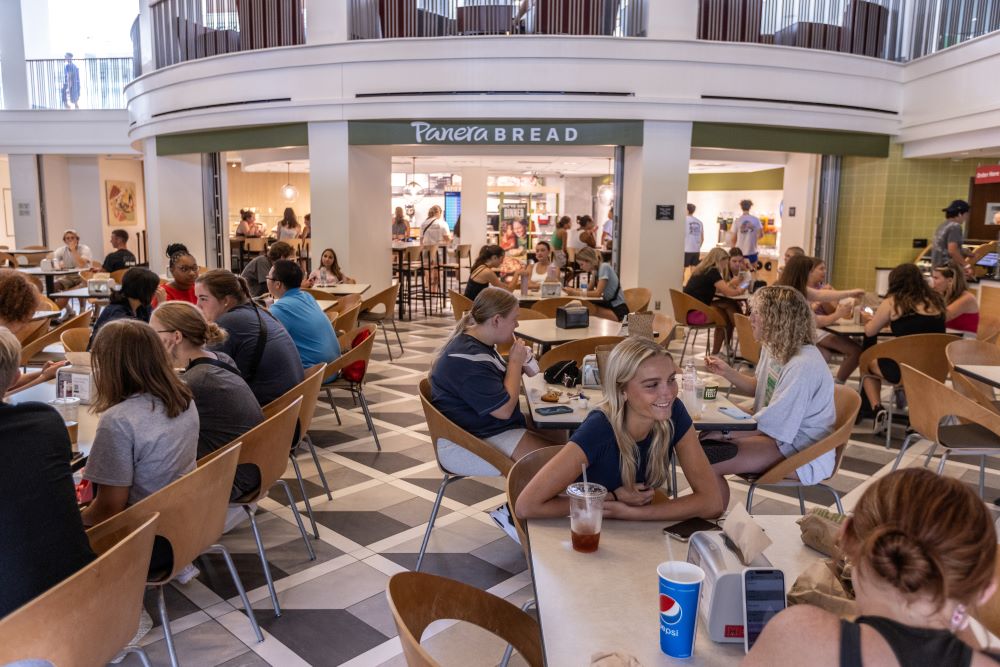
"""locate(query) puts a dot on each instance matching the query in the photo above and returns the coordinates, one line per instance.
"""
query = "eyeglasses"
(271, 280)
(187, 269)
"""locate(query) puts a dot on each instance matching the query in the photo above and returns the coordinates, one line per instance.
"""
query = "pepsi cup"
(680, 589)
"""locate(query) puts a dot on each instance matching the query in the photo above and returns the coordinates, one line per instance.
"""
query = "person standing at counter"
(694, 236)
(288, 227)
(559, 241)
(400, 225)
(950, 235)
(747, 231)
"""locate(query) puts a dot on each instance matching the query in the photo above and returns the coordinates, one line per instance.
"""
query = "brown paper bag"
(818, 585)
(820, 529)
(640, 325)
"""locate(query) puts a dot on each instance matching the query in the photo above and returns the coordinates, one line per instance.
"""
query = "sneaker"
(187, 574)
(501, 517)
(235, 516)
(145, 625)
(879, 423)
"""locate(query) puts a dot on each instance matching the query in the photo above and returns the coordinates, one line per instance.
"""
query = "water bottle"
(584, 278)
(689, 385)
(623, 330)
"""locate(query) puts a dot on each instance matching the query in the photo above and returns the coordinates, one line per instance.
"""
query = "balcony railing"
(100, 83)
(190, 29)
(890, 29)
(379, 19)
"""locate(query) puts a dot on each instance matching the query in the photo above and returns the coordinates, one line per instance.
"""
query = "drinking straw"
(586, 488)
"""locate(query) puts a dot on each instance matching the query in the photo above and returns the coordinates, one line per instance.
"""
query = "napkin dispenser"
(550, 289)
(572, 317)
(75, 381)
(721, 605)
(98, 287)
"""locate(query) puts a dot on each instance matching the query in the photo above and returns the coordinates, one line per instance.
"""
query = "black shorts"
(692, 258)
(620, 311)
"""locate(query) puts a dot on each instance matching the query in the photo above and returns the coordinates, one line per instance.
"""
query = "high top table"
(48, 276)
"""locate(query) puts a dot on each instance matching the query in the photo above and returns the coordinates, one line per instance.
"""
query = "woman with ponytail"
(924, 552)
(626, 446)
(484, 272)
(264, 353)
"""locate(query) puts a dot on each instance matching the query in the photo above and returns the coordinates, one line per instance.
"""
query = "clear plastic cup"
(586, 512)
(67, 407)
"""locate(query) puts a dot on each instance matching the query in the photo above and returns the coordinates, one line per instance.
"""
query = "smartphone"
(763, 597)
(868, 309)
(550, 410)
(685, 529)
(733, 412)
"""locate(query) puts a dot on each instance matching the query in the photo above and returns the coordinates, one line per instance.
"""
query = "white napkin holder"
(99, 287)
(75, 381)
(721, 605)
(550, 289)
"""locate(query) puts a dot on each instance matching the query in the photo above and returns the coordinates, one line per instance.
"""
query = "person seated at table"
(606, 287)
(226, 407)
(40, 526)
(473, 386)
(183, 268)
(627, 444)
(256, 270)
(484, 272)
(329, 272)
(121, 257)
(147, 435)
(133, 301)
(962, 307)
(305, 322)
(910, 307)
(797, 274)
(249, 227)
(18, 303)
(792, 390)
(923, 549)
(539, 271)
(400, 225)
(71, 255)
(257, 341)
(710, 278)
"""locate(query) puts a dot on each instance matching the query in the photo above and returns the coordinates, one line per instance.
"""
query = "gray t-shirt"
(612, 288)
(748, 229)
(794, 405)
(137, 445)
(949, 231)
(255, 274)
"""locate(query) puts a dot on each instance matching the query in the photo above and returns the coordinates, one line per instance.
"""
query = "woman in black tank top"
(923, 549)
(483, 272)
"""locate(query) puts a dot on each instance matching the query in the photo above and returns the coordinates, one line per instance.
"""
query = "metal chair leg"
(753, 487)
(673, 476)
(263, 560)
(836, 497)
(802, 501)
(687, 335)
(385, 335)
(168, 637)
(448, 479)
(903, 448)
(319, 468)
(329, 398)
(368, 417)
(141, 652)
(944, 459)
(982, 477)
(220, 548)
(930, 453)
(398, 339)
(305, 496)
(298, 518)
(888, 422)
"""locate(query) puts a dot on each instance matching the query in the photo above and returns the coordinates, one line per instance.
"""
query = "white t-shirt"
(64, 258)
(747, 229)
(609, 228)
(573, 239)
(433, 231)
(693, 235)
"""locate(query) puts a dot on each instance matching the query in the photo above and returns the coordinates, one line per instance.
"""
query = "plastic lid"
(586, 490)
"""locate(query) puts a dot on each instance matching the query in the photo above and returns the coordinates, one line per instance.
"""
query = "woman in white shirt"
(288, 227)
(435, 230)
(543, 261)
(329, 273)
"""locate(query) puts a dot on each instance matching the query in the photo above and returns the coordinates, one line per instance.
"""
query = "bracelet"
(613, 496)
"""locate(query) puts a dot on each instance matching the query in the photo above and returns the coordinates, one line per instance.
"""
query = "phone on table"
(550, 410)
(733, 412)
(685, 529)
(763, 597)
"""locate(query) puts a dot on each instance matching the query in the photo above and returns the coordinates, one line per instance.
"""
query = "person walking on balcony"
(71, 84)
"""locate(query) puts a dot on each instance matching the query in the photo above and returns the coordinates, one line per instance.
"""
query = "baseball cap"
(957, 206)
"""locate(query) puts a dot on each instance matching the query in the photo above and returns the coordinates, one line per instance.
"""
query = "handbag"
(566, 373)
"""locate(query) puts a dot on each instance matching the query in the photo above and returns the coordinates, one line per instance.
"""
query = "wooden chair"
(7, 260)
(308, 391)
(520, 474)
(387, 299)
(192, 513)
(989, 329)
(453, 456)
(924, 352)
(974, 352)
(683, 304)
(349, 355)
(460, 304)
(930, 400)
(637, 299)
(548, 307)
(847, 403)
(75, 340)
(575, 350)
(29, 351)
(47, 304)
(348, 319)
(318, 294)
(749, 345)
(665, 326)
(417, 600)
(118, 275)
(88, 618)
(266, 446)
(31, 331)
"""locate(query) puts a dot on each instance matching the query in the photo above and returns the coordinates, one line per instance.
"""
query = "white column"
(350, 192)
(26, 201)
(328, 22)
(146, 49)
(15, 76)
(655, 173)
(73, 194)
(676, 19)
(801, 187)
(474, 208)
(174, 204)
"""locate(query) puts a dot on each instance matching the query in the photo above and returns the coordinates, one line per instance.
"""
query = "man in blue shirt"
(298, 311)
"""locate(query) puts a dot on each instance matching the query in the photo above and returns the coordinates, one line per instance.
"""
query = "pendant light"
(412, 191)
(288, 191)
(606, 193)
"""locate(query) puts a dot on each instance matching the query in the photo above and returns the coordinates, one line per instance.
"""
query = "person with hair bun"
(264, 352)
(484, 272)
(226, 407)
(249, 227)
(183, 269)
(924, 550)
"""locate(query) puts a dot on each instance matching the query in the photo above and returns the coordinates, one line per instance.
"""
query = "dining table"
(345, 289)
(45, 392)
(984, 373)
(48, 276)
(533, 296)
(546, 333)
(45, 314)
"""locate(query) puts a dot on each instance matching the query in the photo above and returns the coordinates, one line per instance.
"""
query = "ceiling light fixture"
(288, 191)
(606, 193)
(413, 191)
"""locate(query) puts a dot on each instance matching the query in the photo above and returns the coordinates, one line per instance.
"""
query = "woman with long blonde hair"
(792, 390)
(711, 282)
(626, 446)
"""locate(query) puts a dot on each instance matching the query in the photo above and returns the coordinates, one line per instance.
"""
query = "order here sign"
(988, 174)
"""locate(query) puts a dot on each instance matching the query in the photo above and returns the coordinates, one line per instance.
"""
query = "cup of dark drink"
(586, 511)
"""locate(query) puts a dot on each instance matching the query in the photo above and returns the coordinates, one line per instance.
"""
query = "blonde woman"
(607, 287)
(962, 307)
(626, 446)
(792, 390)
(713, 277)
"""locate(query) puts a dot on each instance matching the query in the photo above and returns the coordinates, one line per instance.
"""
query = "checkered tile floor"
(334, 608)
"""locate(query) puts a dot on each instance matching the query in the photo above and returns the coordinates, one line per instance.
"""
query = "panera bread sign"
(523, 133)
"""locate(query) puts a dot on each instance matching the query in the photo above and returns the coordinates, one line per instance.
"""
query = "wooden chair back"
(88, 618)
(81, 321)
(749, 346)
(576, 350)
(192, 509)
(361, 352)
(31, 331)
(973, 390)
(972, 352)
(118, 275)
(847, 403)
(296, 245)
(989, 329)
(524, 314)
(924, 352)
(308, 391)
(45, 303)
(266, 446)
(386, 298)
(34, 247)
(440, 426)
(460, 304)
(520, 474)
(663, 325)
(347, 301)
(7, 260)
(75, 340)
(548, 307)
(930, 400)
(318, 294)
(684, 303)
(348, 319)
(417, 599)
(637, 299)
(255, 245)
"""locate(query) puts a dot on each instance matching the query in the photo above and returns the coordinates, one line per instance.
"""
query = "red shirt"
(174, 294)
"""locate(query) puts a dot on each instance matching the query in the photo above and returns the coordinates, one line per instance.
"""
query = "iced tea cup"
(586, 510)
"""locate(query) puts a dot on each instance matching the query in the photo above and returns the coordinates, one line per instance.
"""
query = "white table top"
(325, 305)
(851, 328)
(988, 374)
(608, 600)
(36, 251)
(536, 295)
(547, 333)
(45, 314)
(345, 288)
(45, 392)
(37, 271)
